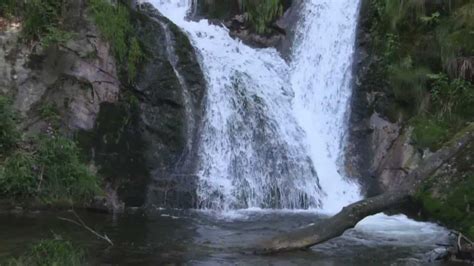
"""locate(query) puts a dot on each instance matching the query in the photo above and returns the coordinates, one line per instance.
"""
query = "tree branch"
(335, 226)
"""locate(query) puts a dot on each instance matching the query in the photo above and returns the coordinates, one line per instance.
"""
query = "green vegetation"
(44, 22)
(425, 52)
(49, 112)
(42, 19)
(135, 56)
(8, 132)
(55, 252)
(47, 168)
(454, 209)
(41, 16)
(424, 57)
(7, 8)
(51, 172)
(261, 13)
(114, 23)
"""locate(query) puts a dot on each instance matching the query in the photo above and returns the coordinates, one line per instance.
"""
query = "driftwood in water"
(350, 215)
(463, 250)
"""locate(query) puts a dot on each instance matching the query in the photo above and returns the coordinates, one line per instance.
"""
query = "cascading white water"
(321, 76)
(271, 128)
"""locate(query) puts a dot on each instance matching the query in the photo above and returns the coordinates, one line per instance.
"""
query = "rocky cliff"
(131, 132)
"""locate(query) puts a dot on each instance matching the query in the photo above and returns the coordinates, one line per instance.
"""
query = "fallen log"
(349, 216)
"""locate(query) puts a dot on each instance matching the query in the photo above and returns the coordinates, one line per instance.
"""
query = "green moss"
(135, 56)
(50, 252)
(454, 209)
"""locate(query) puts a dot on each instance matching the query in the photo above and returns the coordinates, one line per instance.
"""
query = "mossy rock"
(448, 197)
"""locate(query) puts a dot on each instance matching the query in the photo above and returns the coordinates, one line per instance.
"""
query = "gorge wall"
(131, 132)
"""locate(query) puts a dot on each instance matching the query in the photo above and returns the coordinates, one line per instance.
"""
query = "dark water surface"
(198, 238)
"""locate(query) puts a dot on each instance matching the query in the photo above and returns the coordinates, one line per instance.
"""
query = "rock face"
(171, 89)
(380, 153)
(229, 14)
(74, 78)
(133, 134)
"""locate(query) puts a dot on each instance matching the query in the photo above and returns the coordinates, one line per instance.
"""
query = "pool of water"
(177, 237)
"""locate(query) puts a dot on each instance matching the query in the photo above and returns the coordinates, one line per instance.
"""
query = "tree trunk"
(350, 215)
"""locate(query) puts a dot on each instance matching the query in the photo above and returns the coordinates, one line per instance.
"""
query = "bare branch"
(82, 224)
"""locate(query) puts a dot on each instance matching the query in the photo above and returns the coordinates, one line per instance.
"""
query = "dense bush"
(52, 171)
(50, 252)
(44, 167)
(18, 177)
(425, 51)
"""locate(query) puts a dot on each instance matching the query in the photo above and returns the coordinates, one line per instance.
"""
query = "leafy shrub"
(262, 12)
(65, 175)
(52, 172)
(51, 252)
(18, 177)
(9, 134)
(452, 97)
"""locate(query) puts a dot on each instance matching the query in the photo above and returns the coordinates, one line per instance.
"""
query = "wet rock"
(147, 140)
(108, 203)
(229, 14)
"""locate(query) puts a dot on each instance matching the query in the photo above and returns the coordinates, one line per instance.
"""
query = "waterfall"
(273, 131)
(321, 76)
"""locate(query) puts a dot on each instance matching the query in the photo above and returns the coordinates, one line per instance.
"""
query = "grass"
(54, 252)
(114, 24)
(430, 132)
(260, 14)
